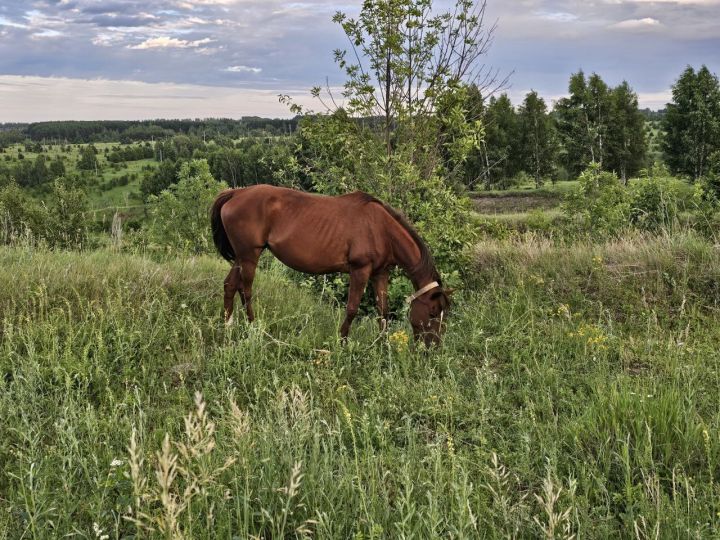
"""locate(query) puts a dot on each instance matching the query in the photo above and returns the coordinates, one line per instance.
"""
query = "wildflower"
(450, 445)
(563, 310)
(116, 463)
(183, 305)
(347, 415)
(399, 340)
(597, 261)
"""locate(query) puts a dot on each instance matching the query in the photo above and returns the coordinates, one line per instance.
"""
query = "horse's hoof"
(229, 321)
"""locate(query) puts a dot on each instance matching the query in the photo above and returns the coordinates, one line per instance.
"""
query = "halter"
(417, 294)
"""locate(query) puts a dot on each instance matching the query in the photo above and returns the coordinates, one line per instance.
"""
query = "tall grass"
(576, 395)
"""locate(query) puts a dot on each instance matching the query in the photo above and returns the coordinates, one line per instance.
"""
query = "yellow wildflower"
(399, 340)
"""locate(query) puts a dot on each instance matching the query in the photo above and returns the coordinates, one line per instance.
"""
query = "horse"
(356, 234)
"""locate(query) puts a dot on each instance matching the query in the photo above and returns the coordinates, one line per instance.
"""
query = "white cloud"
(7, 22)
(165, 42)
(47, 34)
(557, 16)
(637, 24)
(243, 69)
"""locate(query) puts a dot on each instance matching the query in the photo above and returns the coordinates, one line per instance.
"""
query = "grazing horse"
(356, 234)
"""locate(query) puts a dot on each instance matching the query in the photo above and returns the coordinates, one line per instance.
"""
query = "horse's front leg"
(380, 286)
(358, 280)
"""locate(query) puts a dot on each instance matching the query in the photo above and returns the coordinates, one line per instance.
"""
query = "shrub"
(179, 214)
(653, 203)
(67, 225)
(599, 205)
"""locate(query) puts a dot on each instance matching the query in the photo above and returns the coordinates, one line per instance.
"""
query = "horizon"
(88, 60)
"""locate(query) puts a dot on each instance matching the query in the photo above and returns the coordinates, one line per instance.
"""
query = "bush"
(599, 205)
(179, 215)
(67, 225)
(653, 203)
(62, 222)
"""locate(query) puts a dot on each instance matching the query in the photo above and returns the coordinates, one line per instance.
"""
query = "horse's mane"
(427, 263)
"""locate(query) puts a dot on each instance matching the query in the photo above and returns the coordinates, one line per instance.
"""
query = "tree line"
(143, 130)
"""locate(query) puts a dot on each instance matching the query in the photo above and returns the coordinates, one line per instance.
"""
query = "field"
(575, 395)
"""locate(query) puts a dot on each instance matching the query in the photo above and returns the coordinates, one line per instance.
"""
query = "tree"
(88, 158)
(583, 119)
(67, 224)
(692, 123)
(179, 214)
(159, 179)
(499, 147)
(403, 66)
(627, 143)
(538, 138)
(57, 168)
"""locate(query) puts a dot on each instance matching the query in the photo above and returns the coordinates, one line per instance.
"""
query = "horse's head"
(427, 314)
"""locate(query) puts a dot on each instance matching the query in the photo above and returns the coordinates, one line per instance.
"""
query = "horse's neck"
(407, 256)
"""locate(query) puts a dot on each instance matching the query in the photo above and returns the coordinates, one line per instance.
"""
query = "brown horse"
(356, 234)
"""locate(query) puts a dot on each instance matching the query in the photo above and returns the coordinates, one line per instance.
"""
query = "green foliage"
(19, 213)
(539, 144)
(599, 206)
(179, 215)
(599, 124)
(61, 222)
(67, 223)
(156, 181)
(626, 141)
(692, 123)
(400, 144)
(88, 158)
(653, 203)
(500, 146)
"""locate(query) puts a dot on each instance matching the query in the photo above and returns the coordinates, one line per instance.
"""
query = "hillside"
(576, 391)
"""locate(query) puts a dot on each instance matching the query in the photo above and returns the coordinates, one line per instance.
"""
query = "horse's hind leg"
(232, 285)
(248, 264)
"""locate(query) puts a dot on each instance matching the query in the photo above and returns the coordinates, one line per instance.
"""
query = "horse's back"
(311, 233)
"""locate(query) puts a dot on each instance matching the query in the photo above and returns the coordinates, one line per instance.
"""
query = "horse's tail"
(222, 243)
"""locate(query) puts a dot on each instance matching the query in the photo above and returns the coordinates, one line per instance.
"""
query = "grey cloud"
(543, 41)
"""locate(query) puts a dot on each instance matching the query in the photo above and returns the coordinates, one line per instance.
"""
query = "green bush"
(653, 203)
(62, 222)
(179, 214)
(599, 206)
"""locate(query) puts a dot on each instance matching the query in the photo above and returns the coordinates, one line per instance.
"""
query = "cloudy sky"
(127, 59)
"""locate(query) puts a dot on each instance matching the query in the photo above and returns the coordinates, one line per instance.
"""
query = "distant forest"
(127, 131)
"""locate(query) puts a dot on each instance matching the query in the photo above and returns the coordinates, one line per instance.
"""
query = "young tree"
(627, 143)
(500, 145)
(179, 214)
(57, 168)
(538, 138)
(692, 122)
(404, 130)
(583, 119)
(88, 158)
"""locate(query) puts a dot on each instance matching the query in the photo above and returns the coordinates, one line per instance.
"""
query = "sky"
(136, 59)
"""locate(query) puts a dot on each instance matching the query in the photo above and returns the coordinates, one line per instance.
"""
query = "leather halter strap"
(417, 294)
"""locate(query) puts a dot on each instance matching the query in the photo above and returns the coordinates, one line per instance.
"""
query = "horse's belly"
(310, 260)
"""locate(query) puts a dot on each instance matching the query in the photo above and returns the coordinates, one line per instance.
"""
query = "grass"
(575, 395)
